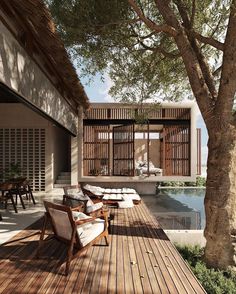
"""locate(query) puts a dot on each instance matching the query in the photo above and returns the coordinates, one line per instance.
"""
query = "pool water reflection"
(178, 209)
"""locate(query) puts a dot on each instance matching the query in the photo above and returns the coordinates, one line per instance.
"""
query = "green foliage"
(213, 281)
(106, 35)
(200, 182)
(12, 172)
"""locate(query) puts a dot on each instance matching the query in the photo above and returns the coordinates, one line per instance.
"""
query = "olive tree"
(170, 49)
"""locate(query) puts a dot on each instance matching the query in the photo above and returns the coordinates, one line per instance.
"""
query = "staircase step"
(64, 177)
(65, 182)
(59, 185)
(65, 173)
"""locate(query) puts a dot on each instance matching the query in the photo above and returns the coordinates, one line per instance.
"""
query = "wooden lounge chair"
(78, 232)
(110, 195)
(74, 197)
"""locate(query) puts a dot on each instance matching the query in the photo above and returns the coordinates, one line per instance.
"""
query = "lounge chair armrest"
(86, 220)
(105, 215)
(80, 208)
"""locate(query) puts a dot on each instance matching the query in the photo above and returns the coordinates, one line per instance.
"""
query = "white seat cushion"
(94, 189)
(126, 204)
(128, 190)
(131, 197)
(91, 232)
(94, 207)
(74, 193)
(78, 215)
(107, 190)
(118, 197)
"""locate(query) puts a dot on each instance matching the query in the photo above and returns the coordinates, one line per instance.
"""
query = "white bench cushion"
(131, 197)
(126, 204)
(118, 197)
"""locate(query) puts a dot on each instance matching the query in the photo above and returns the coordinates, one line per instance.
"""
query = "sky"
(98, 91)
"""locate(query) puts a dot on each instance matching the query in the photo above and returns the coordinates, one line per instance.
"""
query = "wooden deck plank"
(135, 237)
(158, 258)
(172, 278)
(16, 266)
(184, 274)
(105, 267)
(146, 271)
(153, 263)
(112, 268)
(128, 279)
(120, 278)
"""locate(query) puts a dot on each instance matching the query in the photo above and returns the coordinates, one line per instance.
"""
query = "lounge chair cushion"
(80, 216)
(131, 197)
(118, 197)
(94, 207)
(90, 233)
(94, 189)
(126, 203)
(79, 195)
(74, 192)
(129, 190)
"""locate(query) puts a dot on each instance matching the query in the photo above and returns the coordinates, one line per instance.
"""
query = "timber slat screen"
(129, 113)
(176, 142)
(174, 127)
(139, 259)
(123, 150)
(199, 156)
(96, 151)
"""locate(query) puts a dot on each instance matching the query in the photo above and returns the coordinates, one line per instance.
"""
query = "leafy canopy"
(108, 35)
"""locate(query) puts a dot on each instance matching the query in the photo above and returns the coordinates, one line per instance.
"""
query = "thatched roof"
(34, 17)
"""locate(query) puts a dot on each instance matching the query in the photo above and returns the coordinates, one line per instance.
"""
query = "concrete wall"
(20, 73)
(16, 115)
(154, 151)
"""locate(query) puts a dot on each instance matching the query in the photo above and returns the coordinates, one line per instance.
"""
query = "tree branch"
(160, 50)
(193, 13)
(227, 86)
(191, 62)
(149, 23)
(209, 79)
(217, 71)
(130, 21)
(208, 40)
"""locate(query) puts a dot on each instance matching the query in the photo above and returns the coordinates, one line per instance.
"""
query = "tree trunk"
(220, 200)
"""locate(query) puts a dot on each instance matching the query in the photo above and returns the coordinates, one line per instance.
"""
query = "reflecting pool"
(178, 208)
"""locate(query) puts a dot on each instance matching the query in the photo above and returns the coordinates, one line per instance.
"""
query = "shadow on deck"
(140, 259)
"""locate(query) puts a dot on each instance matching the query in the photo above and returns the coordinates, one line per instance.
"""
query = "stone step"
(63, 182)
(56, 186)
(65, 173)
(64, 177)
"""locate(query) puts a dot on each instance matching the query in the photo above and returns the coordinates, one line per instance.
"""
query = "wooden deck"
(140, 259)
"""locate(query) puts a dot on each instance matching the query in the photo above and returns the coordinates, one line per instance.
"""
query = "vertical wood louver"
(176, 140)
(123, 150)
(96, 151)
